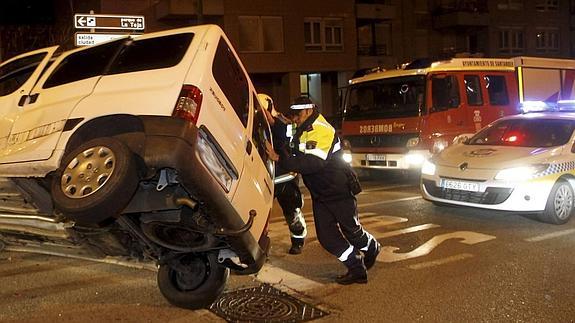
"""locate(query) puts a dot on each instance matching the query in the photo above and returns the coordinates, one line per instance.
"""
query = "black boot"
(371, 254)
(296, 246)
(356, 272)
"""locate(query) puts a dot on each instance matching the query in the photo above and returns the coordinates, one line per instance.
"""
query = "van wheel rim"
(88, 172)
(563, 202)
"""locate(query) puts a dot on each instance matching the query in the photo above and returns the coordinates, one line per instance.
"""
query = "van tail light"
(188, 104)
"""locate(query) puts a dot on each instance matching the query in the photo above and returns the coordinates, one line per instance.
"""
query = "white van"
(152, 147)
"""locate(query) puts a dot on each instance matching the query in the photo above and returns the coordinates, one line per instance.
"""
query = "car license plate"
(375, 157)
(460, 185)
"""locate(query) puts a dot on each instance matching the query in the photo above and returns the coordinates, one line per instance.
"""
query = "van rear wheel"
(192, 281)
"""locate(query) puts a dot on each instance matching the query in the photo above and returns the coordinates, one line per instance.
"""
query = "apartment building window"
(261, 34)
(547, 40)
(374, 39)
(511, 41)
(323, 34)
(510, 4)
(547, 5)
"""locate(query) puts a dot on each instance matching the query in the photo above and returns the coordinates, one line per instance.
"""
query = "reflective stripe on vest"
(322, 135)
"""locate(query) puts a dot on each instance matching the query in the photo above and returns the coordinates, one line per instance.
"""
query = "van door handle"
(249, 147)
(28, 99)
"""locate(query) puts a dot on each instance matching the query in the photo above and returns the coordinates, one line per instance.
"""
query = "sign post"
(119, 25)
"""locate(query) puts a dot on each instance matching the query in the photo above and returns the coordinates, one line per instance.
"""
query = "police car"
(521, 163)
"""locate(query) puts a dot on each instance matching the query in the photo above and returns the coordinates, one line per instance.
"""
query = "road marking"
(442, 261)
(550, 235)
(388, 253)
(273, 275)
(416, 228)
(380, 220)
(381, 202)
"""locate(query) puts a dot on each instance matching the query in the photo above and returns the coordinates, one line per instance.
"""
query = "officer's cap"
(300, 103)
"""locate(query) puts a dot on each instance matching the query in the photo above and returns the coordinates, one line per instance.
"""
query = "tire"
(559, 207)
(198, 287)
(107, 170)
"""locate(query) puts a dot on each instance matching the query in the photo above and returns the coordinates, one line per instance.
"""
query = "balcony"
(461, 14)
(188, 9)
(375, 11)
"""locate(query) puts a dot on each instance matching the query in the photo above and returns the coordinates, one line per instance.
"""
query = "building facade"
(313, 47)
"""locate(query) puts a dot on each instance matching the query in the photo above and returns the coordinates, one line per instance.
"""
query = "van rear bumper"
(172, 143)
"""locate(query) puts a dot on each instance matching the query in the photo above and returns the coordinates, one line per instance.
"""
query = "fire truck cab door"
(447, 112)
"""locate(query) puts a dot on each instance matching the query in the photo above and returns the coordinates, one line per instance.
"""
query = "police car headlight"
(428, 168)
(521, 172)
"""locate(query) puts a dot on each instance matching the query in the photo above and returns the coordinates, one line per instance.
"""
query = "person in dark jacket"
(288, 193)
(333, 186)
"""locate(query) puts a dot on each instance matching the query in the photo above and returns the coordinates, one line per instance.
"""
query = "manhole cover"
(263, 304)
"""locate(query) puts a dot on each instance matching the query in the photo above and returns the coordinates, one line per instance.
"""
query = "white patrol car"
(522, 163)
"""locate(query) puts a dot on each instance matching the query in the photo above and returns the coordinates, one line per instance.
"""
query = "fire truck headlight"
(428, 168)
(412, 142)
(414, 158)
(347, 157)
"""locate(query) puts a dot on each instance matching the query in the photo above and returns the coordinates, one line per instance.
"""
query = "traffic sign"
(89, 39)
(89, 21)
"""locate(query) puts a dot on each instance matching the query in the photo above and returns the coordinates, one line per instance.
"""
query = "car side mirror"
(284, 178)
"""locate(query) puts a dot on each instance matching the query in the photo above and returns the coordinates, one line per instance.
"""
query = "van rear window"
(152, 53)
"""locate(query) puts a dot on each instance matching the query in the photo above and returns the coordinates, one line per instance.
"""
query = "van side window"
(153, 53)
(261, 133)
(14, 74)
(473, 90)
(445, 92)
(232, 80)
(84, 64)
(497, 89)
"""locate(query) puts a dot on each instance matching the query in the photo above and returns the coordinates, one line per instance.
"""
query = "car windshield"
(525, 133)
(385, 98)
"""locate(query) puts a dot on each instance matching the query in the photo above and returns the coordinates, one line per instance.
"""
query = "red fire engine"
(395, 119)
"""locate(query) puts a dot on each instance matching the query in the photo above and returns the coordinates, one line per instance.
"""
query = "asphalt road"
(438, 264)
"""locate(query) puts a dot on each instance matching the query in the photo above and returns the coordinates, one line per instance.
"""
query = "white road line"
(416, 228)
(277, 276)
(381, 202)
(442, 261)
(550, 235)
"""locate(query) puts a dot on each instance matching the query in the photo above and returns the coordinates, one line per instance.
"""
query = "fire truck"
(395, 119)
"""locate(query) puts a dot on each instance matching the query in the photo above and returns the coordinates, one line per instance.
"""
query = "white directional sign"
(89, 39)
(118, 22)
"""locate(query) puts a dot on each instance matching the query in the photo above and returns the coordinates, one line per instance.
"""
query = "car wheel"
(95, 181)
(559, 206)
(192, 281)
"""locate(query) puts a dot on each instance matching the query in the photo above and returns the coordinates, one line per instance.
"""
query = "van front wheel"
(95, 181)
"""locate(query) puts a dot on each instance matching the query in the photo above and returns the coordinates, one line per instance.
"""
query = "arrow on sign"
(81, 21)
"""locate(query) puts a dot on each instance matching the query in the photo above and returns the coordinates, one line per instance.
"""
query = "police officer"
(333, 185)
(288, 193)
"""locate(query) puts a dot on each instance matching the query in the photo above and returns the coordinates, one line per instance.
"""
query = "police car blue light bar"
(534, 106)
(566, 105)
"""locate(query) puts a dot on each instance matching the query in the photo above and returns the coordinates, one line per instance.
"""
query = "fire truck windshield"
(385, 98)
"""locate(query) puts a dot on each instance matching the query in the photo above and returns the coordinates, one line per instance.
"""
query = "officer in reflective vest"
(288, 194)
(332, 185)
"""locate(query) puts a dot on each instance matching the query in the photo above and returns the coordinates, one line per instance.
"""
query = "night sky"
(26, 12)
